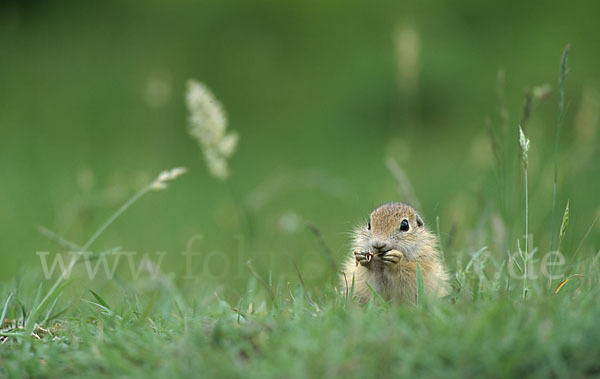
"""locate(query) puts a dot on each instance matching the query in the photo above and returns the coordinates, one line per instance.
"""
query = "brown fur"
(395, 281)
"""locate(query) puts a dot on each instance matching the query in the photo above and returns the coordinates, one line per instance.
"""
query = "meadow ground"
(338, 109)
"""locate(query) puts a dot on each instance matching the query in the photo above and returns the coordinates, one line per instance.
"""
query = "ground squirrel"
(386, 252)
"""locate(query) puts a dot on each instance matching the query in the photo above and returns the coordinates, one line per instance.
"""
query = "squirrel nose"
(378, 245)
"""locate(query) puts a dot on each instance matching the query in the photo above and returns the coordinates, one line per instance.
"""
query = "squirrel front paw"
(363, 257)
(392, 257)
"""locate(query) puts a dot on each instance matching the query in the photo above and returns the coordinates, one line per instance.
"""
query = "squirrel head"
(394, 226)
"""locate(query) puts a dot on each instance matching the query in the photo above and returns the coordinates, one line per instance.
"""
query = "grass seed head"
(161, 180)
(208, 125)
(524, 142)
(565, 223)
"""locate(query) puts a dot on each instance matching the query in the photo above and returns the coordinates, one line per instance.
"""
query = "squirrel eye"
(404, 225)
(369, 226)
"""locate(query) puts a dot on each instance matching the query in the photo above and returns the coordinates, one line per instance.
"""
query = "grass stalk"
(526, 261)
(561, 235)
(561, 115)
(524, 142)
(158, 184)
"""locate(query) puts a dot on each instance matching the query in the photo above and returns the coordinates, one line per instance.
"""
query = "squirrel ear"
(419, 220)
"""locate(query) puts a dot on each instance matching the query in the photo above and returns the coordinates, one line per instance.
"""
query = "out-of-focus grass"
(92, 106)
(485, 330)
(313, 91)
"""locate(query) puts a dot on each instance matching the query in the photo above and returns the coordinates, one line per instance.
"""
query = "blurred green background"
(322, 93)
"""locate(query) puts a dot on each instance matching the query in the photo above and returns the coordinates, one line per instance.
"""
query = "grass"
(559, 124)
(285, 325)
(524, 142)
(493, 334)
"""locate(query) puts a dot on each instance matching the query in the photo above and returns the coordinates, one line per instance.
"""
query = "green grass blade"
(23, 310)
(102, 307)
(102, 302)
(262, 281)
(50, 310)
(5, 309)
(34, 316)
(474, 258)
(377, 296)
(55, 315)
(148, 308)
(58, 239)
